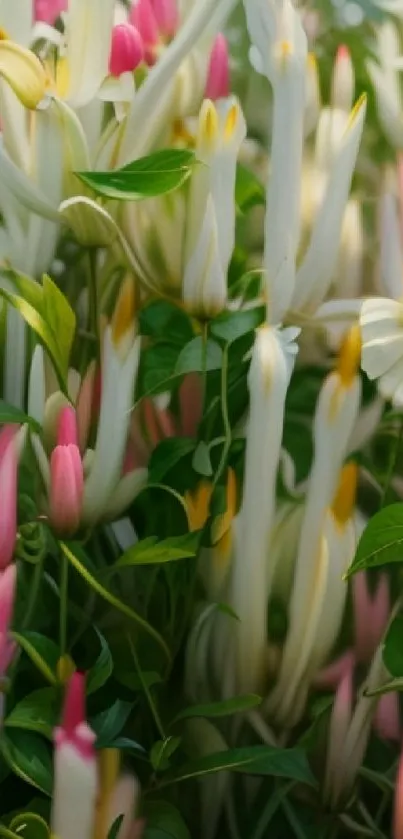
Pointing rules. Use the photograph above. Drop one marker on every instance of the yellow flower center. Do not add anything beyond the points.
(345, 497)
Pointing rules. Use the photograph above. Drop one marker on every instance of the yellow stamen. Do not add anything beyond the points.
(198, 504)
(3, 34)
(65, 669)
(355, 109)
(344, 500)
(231, 121)
(311, 59)
(108, 770)
(350, 356)
(208, 124)
(123, 316)
(23, 71)
(285, 48)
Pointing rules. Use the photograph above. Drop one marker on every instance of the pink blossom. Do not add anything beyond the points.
(8, 484)
(142, 16)
(166, 16)
(66, 476)
(49, 10)
(218, 85)
(127, 50)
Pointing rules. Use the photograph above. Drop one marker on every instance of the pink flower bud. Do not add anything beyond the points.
(8, 580)
(370, 614)
(8, 484)
(49, 10)
(387, 717)
(166, 16)
(127, 50)
(217, 85)
(66, 476)
(75, 771)
(142, 16)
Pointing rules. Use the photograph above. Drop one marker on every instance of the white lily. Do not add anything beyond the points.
(121, 352)
(385, 79)
(381, 318)
(280, 53)
(320, 547)
(272, 363)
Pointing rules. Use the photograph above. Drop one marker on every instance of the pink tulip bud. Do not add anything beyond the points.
(8, 484)
(339, 724)
(8, 580)
(75, 785)
(66, 476)
(84, 407)
(387, 717)
(49, 10)
(127, 50)
(158, 424)
(217, 85)
(398, 802)
(166, 16)
(142, 16)
(330, 677)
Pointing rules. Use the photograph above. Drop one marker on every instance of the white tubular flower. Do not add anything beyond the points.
(88, 36)
(385, 79)
(280, 52)
(324, 610)
(317, 268)
(272, 362)
(121, 351)
(210, 222)
(17, 22)
(312, 104)
(381, 318)
(335, 417)
(350, 264)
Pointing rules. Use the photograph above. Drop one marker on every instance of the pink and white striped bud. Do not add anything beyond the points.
(217, 85)
(166, 16)
(49, 10)
(127, 50)
(75, 768)
(66, 476)
(8, 484)
(142, 16)
(8, 580)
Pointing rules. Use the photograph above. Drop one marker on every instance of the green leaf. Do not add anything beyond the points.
(30, 826)
(43, 653)
(10, 414)
(114, 831)
(161, 751)
(252, 760)
(167, 455)
(249, 192)
(47, 311)
(229, 326)
(388, 687)
(102, 669)
(109, 723)
(226, 708)
(393, 649)
(199, 355)
(163, 821)
(157, 367)
(28, 757)
(157, 174)
(161, 317)
(150, 552)
(77, 558)
(38, 711)
(202, 461)
(381, 541)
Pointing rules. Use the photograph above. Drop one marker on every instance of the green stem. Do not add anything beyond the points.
(33, 595)
(225, 416)
(150, 700)
(64, 585)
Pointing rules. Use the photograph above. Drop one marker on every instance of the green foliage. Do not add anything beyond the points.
(382, 540)
(147, 177)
